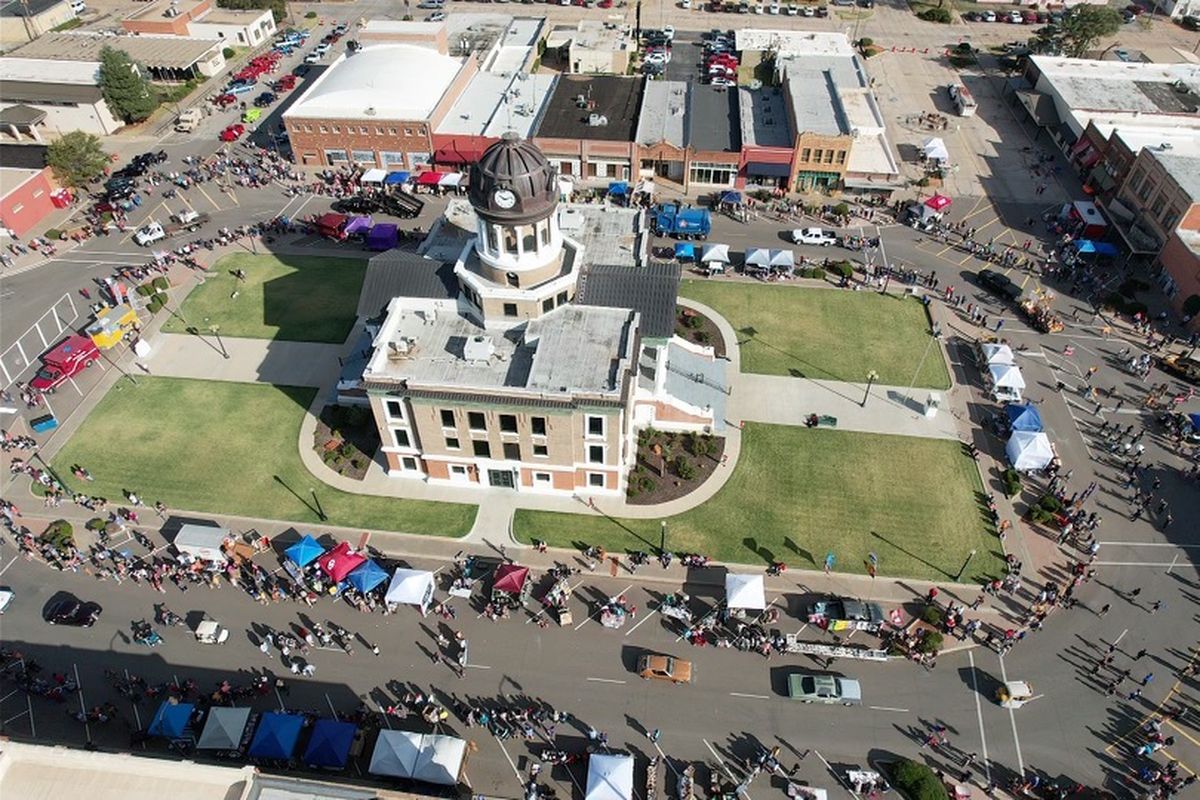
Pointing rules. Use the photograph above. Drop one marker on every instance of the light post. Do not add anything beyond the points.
(662, 538)
(963, 568)
(872, 376)
(216, 331)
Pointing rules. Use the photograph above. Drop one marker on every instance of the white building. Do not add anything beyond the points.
(238, 28)
(68, 92)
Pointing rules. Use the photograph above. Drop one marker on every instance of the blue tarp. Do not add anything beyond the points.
(395, 177)
(329, 745)
(276, 736)
(304, 551)
(685, 251)
(367, 576)
(1024, 418)
(618, 187)
(732, 198)
(1087, 247)
(383, 236)
(171, 720)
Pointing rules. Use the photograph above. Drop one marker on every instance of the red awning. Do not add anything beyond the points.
(429, 178)
(339, 562)
(510, 578)
(939, 202)
(457, 155)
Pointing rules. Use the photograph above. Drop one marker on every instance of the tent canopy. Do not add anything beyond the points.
(1024, 418)
(367, 576)
(935, 150)
(685, 251)
(745, 591)
(202, 541)
(429, 178)
(997, 354)
(610, 777)
(785, 259)
(1027, 450)
(715, 252)
(423, 757)
(395, 177)
(1089, 247)
(359, 224)
(395, 753)
(329, 744)
(758, 256)
(510, 578)
(276, 735)
(730, 197)
(412, 586)
(450, 179)
(171, 719)
(383, 236)
(305, 551)
(373, 176)
(340, 562)
(939, 202)
(224, 728)
(618, 188)
(1007, 375)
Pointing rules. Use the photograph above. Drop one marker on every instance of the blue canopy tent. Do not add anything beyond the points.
(618, 188)
(1024, 418)
(730, 198)
(329, 745)
(171, 720)
(367, 576)
(1195, 420)
(394, 178)
(305, 551)
(276, 736)
(1088, 247)
(685, 251)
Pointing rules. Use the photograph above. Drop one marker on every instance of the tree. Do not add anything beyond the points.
(76, 158)
(127, 93)
(1084, 25)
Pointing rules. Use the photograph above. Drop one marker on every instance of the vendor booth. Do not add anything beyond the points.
(990, 353)
(511, 585)
(412, 587)
(373, 177)
(1029, 451)
(172, 721)
(383, 236)
(1007, 383)
(359, 225)
(924, 216)
(202, 541)
(714, 258)
(304, 552)
(329, 745)
(783, 261)
(934, 149)
(367, 576)
(421, 757)
(396, 178)
(276, 737)
(224, 729)
(610, 777)
(685, 251)
(745, 592)
(340, 562)
(1024, 418)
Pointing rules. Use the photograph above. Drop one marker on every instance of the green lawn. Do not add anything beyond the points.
(227, 448)
(826, 333)
(299, 298)
(797, 494)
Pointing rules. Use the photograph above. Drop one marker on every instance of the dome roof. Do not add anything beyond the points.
(517, 167)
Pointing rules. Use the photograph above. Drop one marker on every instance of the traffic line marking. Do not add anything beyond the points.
(987, 768)
(890, 708)
(1012, 718)
(606, 680)
(476, 666)
(751, 696)
(9, 564)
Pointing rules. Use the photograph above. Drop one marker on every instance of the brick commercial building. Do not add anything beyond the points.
(26, 188)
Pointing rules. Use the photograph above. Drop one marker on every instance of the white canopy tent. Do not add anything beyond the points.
(745, 591)
(997, 354)
(1007, 376)
(411, 586)
(1027, 450)
(202, 541)
(395, 753)
(610, 777)
(758, 257)
(935, 149)
(451, 179)
(373, 176)
(424, 757)
(785, 259)
(715, 252)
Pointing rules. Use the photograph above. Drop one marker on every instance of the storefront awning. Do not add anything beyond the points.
(1040, 107)
(768, 170)
(457, 155)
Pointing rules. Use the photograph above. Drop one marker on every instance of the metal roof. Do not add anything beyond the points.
(37, 92)
(650, 290)
(175, 52)
(21, 115)
(398, 273)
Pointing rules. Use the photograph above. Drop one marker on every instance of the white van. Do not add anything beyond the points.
(77, 7)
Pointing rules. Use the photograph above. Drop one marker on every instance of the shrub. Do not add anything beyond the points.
(922, 181)
(155, 304)
(145, 290)
(963, 48)
(843, 268)
(931, 642)
(1012, 482)
(917, 781)
(702, 337)
(941, 15)
(95, 524)
(59, 533)
(842, 209)
(311, 15)
(818, 273)
(865, 42)
(932, 614)
(693, 321)
(684, 468)
(160, 283)
(54, 234)
(228, 52)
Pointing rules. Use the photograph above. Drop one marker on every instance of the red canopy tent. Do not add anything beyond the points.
(510, 578)
(340, 562)
(429, 178)
(939, 202)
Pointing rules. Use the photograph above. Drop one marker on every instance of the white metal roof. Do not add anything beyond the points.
(384, 82)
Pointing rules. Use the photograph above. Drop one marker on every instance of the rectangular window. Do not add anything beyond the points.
(512, 451)
(408, 132)
(561, 299)
(542, 478)
(828, 156)
(595, 426)
(482, 449)
(806, 154)
(336, 128)
(448, 420)
(841, 157)
(817, 155)
(394, 409)
(38, 193)
(548, 304)
(476, 421)
(452, 443)
(363, 156)
(335, 156)
(401, 437)
(508, 423)
(389, 157)
(596, 480)
(595, 454)
(510, 309)
(410, 463)
(18, 208)
(541, 451)
(418, 160)
(538, 425)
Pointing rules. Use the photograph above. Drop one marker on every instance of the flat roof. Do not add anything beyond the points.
(1180, 142)
(82, 72)
(381, 82)
(154, 51)
(415, 27)
(523, 31)
(232, 16)
(663, 115)
(1091, 85)
(1183, 168)
(23, 156)
(763, 117)
(613, 97)
(11, 178)
(15, 8)
(494, 103)
(608, 235)
(714, 122)
(821, 43)
(813, 83)
(158, 8)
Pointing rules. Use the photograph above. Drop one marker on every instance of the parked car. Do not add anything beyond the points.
(840, 613)
(233, 132)
(312, 58)
(1190, 22)
(997, 283)
(74, 613)
(265, 99)
(717, 80)
(437, 16)
(665, 668)
(817, 236)
(987, 16)
(809, 688)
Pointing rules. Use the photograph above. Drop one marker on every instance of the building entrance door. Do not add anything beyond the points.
(503, 478)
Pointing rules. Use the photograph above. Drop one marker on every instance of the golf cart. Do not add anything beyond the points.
(1014, 694)
(209, 631)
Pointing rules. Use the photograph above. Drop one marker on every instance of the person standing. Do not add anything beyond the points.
(1104, 609)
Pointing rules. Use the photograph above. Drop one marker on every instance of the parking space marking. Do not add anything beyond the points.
(9, 564)
(507, 757)
(645, 617)
(206, 197)
(725, 767)
(987, 768)
(1012, 719)
(606, 680)
(897, 710)
(750, 696)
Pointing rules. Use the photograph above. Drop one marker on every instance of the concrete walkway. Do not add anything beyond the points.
(281, 363)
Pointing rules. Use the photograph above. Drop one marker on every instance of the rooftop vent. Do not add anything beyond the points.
(401, 348)
(597, 120)
(479, 348)
(369, 111)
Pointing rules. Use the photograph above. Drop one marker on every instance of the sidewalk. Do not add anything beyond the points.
(203, 356)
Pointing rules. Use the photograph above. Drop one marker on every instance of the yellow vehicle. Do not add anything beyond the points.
(111, 325)
(1014, 694)
(251, 115)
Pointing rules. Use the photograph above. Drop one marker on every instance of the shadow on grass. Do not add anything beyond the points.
(910, 554)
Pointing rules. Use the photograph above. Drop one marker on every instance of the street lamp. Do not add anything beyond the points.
(963, 568)
(872, 376)
(662, 539)
(216, 331)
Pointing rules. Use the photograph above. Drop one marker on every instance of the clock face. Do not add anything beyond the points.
(504, 198)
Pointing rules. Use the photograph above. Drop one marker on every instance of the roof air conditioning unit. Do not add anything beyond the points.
(580, 101)
(369, 111)
(479, 348)
(597, 120)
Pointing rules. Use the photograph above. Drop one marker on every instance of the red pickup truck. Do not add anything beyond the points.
(67, 359)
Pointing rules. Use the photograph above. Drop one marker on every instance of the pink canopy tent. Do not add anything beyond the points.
(939, 202)
(340, 562)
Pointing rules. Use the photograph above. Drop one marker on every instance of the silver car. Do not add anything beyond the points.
(826, 689)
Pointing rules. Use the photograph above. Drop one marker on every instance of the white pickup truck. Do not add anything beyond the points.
(154, 231)
(189, 120)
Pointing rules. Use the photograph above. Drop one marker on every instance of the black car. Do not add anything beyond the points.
(1190, 23)
(999, 284)
(75, 613)
(149, 159)
(355, 205)
(301, 70)
(263, 100)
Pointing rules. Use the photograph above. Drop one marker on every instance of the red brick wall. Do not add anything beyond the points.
(171, 26)
(26, 205)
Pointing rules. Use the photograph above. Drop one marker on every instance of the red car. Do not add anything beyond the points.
(233, 132)
(605, 4)
(224, 100)
(286, 83)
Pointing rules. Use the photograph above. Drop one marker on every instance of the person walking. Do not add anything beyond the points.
(1146, 681)
(1155, 606)
(1104, 609)
(265, 648)
(1140, 654)
(375, 649)
(654, 735)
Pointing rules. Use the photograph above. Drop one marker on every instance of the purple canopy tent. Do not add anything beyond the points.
(359, 224)
(383, 236)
